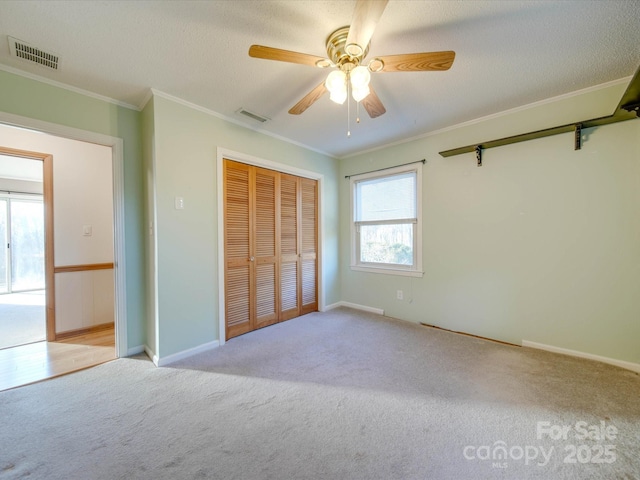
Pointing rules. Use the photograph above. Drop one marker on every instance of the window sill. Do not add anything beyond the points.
(388, 271)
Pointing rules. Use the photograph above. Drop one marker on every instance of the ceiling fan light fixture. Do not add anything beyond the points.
(336, 83)
(338, 96)
(347, 47)
(359, 94)
(360, 78)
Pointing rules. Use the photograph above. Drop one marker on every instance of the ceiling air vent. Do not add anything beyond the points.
(23, 50)
(255, 116)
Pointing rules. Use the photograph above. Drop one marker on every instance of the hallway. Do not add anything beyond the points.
(22, 318)
(42, 360)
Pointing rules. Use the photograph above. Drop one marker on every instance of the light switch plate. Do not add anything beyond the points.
(179, 203)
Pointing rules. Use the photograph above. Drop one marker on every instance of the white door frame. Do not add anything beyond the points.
(117, 151)
(223, 153)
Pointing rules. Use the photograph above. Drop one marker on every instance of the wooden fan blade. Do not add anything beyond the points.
(418, 62)
(308, 100)
(269, 53)
(372, 104)
(364, 21)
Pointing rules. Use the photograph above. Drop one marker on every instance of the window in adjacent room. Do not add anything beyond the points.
(386, 224)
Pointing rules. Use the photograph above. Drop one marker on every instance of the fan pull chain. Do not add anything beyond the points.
(357, 112)
(348, 106)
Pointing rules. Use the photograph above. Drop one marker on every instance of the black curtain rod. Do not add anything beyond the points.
(423, 161)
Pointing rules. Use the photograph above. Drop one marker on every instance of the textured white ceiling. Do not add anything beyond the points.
(508, 54)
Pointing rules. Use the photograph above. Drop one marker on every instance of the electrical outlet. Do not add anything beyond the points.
(399, 295)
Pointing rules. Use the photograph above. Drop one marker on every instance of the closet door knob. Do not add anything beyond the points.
(251, 259)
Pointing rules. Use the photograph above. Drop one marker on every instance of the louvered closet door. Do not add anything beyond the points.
(239, 284)
(270, 244)
(266, 254)
(289, 260)
(309, 245)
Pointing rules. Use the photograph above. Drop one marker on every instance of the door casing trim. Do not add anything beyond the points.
(117, 152)
(47, 200)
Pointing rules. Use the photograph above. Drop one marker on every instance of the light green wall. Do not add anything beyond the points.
(40, 101)
(541, 243)
(186, 142)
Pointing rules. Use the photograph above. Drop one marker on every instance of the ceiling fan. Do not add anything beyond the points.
(347, 48)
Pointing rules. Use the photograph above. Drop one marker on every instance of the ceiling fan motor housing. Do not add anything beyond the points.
(336, 50)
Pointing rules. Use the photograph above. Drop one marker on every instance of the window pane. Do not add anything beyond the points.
(27, 245)
(387, 198)
(387, 244)
(3, 246)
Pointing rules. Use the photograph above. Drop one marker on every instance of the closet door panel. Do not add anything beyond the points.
(266, 235)
(270, 242)
(237, 244)
(309, 244)
(289, 255)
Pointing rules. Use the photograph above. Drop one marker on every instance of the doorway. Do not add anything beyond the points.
(22, 279)
(22, 252)
(30, 134)
(73, 291)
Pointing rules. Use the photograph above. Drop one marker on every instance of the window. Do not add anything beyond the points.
(386, 227)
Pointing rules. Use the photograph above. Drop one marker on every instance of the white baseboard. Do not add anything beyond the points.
(355, 306)
(634, 367)
(326, 308)
(135, 350)
(163, 361)
(151, 355)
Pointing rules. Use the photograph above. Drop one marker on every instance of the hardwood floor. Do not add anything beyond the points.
(42, 360)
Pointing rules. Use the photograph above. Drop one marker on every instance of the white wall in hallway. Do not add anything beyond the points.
(83, 196)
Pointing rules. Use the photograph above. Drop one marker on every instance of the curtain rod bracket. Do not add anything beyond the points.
(632, 108)
(479, 155)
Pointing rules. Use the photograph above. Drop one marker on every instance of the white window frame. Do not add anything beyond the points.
(414, 270)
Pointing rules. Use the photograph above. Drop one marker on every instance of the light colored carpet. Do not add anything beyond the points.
(338, 395)
(22, 318)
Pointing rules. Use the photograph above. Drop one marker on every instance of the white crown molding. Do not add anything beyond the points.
(148, 96)
(150, 93)
(235, 121)
(54, 83)
(159, 93)
(493, 116)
